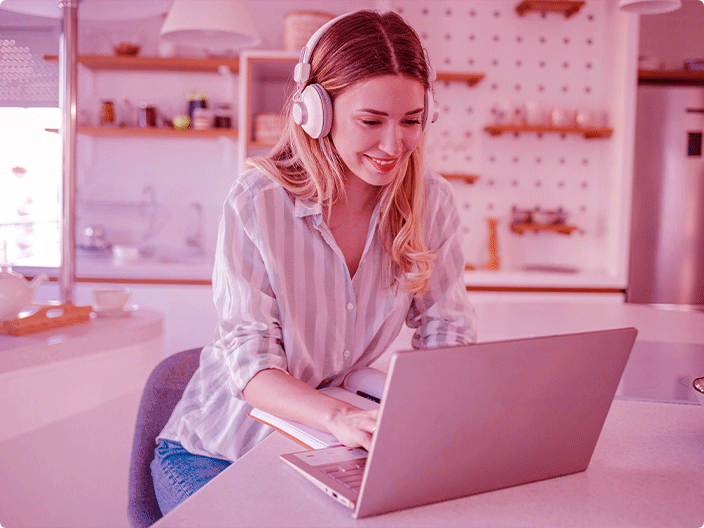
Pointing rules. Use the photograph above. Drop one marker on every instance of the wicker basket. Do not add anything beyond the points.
(300, 26)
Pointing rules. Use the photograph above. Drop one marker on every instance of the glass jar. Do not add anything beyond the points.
(147, 115)
(223, 116)
(107, 113)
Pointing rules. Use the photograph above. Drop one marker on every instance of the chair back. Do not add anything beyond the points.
(162, 392)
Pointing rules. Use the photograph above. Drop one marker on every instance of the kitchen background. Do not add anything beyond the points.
(546, 211)
(161, 192)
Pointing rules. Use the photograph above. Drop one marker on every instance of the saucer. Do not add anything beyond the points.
(115, 312)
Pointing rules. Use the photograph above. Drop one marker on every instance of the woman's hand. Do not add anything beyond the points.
(352, 426)
(278, 393)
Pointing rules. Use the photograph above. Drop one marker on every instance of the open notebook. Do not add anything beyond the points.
(362, 388)
(464, 420)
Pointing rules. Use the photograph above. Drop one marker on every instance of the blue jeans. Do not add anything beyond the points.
(178, 474)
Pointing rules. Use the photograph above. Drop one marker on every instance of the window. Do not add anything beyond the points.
(30, 187)
(30, 156)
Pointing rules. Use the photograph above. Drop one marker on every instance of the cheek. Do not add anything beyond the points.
(413, 140)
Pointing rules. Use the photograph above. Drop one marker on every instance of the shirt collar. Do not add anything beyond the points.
(303, 208)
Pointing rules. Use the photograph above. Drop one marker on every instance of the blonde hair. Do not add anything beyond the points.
(361, 45)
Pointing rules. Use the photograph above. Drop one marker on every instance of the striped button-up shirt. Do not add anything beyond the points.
(285, 300)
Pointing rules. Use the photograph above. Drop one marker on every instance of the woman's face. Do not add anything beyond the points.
(376, 125)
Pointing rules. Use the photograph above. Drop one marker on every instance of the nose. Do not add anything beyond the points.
(391, 141)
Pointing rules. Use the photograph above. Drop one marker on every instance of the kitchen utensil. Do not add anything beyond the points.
(16, 292)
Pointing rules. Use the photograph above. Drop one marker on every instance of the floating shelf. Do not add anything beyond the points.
(557, 228)
(210, 64)
(186, 64)
(470, 78)
(556, 6)
(153, 132)
(157, 132)
(589, 133)
(671, 77)
(467, 178)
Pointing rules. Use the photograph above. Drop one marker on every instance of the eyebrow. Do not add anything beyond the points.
(380, 113)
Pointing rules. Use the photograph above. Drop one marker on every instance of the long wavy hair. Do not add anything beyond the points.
(359, 46)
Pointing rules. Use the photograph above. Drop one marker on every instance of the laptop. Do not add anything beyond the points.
(463, 420)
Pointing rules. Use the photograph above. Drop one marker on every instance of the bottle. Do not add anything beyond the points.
(201, 118)
(147, 115)
(196, 100)
(223, 116)
(107, 113)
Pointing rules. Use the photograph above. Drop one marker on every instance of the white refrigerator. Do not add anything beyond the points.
(667, 240)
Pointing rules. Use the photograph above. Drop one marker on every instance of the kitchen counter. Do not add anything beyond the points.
(68, 405)
(196, 270)
(644, 472)
(667, 356)
(199, 270)
(49, 376)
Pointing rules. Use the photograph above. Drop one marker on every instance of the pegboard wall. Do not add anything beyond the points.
(544, 60)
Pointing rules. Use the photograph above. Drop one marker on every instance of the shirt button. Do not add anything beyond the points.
(346, 353)
(350, 306)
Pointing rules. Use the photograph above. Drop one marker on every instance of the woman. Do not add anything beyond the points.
(325, 248)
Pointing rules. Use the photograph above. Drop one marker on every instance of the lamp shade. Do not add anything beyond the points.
(649, 7)
(214, 25)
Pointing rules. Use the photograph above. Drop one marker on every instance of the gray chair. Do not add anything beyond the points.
(162, 392)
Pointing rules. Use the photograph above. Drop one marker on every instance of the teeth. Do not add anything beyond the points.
(383, 162)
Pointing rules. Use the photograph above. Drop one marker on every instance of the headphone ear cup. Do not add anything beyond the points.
(432, 110)
(314, 111)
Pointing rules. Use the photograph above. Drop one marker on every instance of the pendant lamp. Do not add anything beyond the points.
(649, 7)
(217, 26)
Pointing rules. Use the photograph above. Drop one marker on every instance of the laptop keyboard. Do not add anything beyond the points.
(347, 472)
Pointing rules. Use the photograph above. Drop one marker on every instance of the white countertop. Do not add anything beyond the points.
(514, 318)
(201, 269)
(645, 472)
(78, 340)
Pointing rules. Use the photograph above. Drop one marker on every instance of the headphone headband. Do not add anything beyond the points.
(301, 73)
(312, 109)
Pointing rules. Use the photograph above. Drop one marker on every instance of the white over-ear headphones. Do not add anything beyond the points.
(312, 107)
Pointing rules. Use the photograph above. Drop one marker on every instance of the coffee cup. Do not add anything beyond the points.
(110, 298)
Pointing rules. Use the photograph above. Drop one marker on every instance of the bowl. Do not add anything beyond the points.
(126, 45)
(110, 298)
(698, 385)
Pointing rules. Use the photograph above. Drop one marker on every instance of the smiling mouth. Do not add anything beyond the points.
(383, 165)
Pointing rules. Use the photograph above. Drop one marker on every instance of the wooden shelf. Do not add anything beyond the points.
(555, 6)
(536, 228)
(186, 64)
(467, 178)
(469, 78)
(589, 133)
(155, 132)
(671, 77)
(210, 64)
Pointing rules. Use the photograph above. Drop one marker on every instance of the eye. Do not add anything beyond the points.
(412, 122)
(371, 122)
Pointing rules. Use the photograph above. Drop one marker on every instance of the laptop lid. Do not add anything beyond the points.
(464, 420)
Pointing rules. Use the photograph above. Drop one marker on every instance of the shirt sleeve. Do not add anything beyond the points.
(249, 336)
(444, 315)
